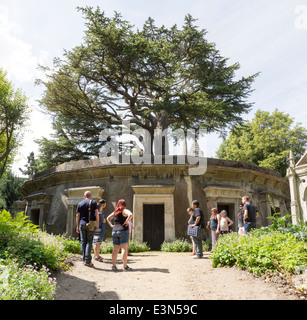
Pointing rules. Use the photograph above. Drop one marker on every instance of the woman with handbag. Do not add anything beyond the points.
(190, 212)
(120, 232)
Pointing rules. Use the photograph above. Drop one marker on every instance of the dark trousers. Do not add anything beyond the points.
(198, 240)
(86, 238)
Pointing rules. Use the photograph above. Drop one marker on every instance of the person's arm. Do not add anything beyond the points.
(127, 213)
(218, 224)
(196, 222)
(109, 218)
(230, 222)
(78, 221)
(245, 215)
(97, 218)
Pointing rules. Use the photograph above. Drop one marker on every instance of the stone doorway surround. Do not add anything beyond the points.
(224, 195)
(40, 204)
(74, 196)
(154, 194)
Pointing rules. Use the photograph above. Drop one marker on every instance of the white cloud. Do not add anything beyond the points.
(40, 126)
(16, 56)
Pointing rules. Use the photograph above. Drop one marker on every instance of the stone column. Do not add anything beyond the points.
(291, 174)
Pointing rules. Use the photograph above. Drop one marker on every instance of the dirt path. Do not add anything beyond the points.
(163, 276)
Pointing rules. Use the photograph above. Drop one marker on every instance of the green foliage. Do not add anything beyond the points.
(261, 252)
(134, 246)
(13, 117)
(266, 141)
(75, 138)
(9, 190)
(154, 77)
(179, 245)
(26, 256)
(25, 283)
(23, 241)
(182, 245)
(31, 166)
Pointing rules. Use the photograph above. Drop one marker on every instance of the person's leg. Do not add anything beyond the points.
(114, 254)
(96, 251)
(89, 244)
(194, 249)
(124, 244)
(247, 228)
(253, 225)
(213, 238)
(198, 243)
(83, 241)
(124, 248)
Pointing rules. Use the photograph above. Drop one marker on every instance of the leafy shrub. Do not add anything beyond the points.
(183, 245)
(26, 256)
(70, 245)
(261, 252)
(25, 283)
(134, 246)
(179, 245)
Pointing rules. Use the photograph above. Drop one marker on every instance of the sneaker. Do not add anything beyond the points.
(99, 258)
(127, 268)
(114, 268)
(88, 264)
(197, 257)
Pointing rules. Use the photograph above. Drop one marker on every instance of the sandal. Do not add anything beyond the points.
(114, 268)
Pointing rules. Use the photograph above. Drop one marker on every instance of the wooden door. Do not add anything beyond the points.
(153, 225)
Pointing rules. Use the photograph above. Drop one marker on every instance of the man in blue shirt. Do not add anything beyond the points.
(82, 218)
(250, 215)
(197, 219)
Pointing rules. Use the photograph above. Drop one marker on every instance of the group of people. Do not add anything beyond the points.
(90, 212)
(219, 223)
(91, 225)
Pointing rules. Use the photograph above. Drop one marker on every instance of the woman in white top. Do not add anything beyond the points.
(225, 222)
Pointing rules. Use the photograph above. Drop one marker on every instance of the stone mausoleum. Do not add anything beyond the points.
(157, 194)
(297, 175)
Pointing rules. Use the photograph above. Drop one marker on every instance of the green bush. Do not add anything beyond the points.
(183, 245)
(261, 252)
(25, 283)
(179, 245)
(134, 246)
(26, 256)
(70, 245)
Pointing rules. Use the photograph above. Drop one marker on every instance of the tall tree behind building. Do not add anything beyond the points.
(155, 77)
(266, 141)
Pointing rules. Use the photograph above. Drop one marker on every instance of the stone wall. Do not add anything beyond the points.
(54, 194)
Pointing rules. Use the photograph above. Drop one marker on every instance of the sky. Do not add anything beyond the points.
(266, 36)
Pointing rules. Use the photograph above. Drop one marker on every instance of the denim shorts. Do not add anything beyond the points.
(98, 234)
(120, 237)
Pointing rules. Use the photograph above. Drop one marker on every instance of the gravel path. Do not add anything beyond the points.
(163, 276)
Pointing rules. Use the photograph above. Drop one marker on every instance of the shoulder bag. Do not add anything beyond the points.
(91, 225)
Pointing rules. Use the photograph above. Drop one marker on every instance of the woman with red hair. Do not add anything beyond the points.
(120, 232)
